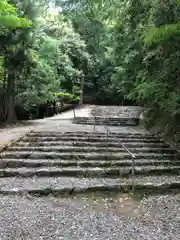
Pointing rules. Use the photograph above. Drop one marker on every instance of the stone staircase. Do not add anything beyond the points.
(56, 162)
(111, 116)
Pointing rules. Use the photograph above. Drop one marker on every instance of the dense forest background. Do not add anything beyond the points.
(126, 52)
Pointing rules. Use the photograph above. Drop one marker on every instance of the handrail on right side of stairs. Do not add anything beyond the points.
(109, 131)
(131, 154)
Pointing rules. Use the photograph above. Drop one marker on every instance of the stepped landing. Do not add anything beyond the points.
(109, 115)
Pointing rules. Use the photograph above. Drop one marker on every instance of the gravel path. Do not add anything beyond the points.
(95, 218)
(156, 218)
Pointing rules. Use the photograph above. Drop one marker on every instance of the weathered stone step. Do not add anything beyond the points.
(90, 149)
(94, 134)
(90, 156)
(17, 163)
(91, 139)
(123, 123)
(105, 118)
(92, 144)
(70, 185)
(107, 121)
(88, 172)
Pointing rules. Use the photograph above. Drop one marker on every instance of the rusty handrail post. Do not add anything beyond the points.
(94, 127)
(133, 175)
(74, 112)
(107, 138)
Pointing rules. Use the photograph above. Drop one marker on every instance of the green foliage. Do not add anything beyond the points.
(163, 33)
(1, 69)
(9, 18)
(147, 55)
(124, 50)
(66, 97)
(41, 54)
(136, 49)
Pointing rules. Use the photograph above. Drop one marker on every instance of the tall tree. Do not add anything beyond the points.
(11, 24)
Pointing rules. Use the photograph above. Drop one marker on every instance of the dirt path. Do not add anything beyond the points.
(86, 218)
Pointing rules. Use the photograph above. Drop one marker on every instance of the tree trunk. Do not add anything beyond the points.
(5, 90)
(54, 107)
(11, 116)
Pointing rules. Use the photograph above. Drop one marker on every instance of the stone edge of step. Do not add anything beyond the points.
(125, 172)
(88, 149)
(110, 124)
(31, 163)
(81, 155)
(125, 187)
(88, 132)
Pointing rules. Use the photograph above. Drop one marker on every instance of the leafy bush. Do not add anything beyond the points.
(65, 97)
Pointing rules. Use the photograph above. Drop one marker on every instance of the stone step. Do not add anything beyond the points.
(110, 122)
(91, 139)
(112, 118)
(70, 185)
(104, 119)
(88, 172)
(32, 163)
(61, 149)
(86, 156)
(95, 134)
(131, 124)
(92, 144)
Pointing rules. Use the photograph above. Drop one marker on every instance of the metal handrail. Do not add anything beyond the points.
(132, 155)
(109, 131)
